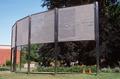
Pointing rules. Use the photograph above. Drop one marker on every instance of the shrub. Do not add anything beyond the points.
(8, 63)
(106, 70)
(4, 69)
(78, 69)
(93, 68)
(116, 69)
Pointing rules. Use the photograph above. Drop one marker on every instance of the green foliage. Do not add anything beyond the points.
(116, 70)
(78, 69)
(34, 56)
(84, 51)
(4, 69)
(8, 63)
(51, 4)
(110, 33)
(109, 70)
(106, 70)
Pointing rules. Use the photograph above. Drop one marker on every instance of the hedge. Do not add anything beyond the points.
(78, 69)
(4, 69)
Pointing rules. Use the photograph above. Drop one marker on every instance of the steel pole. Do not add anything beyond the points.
(97, 34)
(29, 44)
(56, 37)
(15, 50)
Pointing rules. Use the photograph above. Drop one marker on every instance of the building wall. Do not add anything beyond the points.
(5, 53)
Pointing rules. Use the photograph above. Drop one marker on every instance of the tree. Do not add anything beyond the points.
(51, 4)
(109, 34)
(68, 51)
(34, 56)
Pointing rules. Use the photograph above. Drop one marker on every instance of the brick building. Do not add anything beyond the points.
(5, 53)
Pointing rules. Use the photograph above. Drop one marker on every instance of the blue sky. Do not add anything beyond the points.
(12, 10)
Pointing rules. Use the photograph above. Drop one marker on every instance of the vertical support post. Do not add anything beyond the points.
(56, 37)
(97, 34)
(15, 50)
(11, 55)
(20, 57)
(29, 44)
(11, 59)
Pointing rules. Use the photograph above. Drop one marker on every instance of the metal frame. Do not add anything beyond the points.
(56, 37)
(97, 34)
(11, 56)
(11, 59)
(29, 44)
(13, 67)
(15, 50)
(20, 57)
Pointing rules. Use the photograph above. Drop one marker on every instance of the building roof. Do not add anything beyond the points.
(5, 47)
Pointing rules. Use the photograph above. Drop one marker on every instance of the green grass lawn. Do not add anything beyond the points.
(59, 76)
